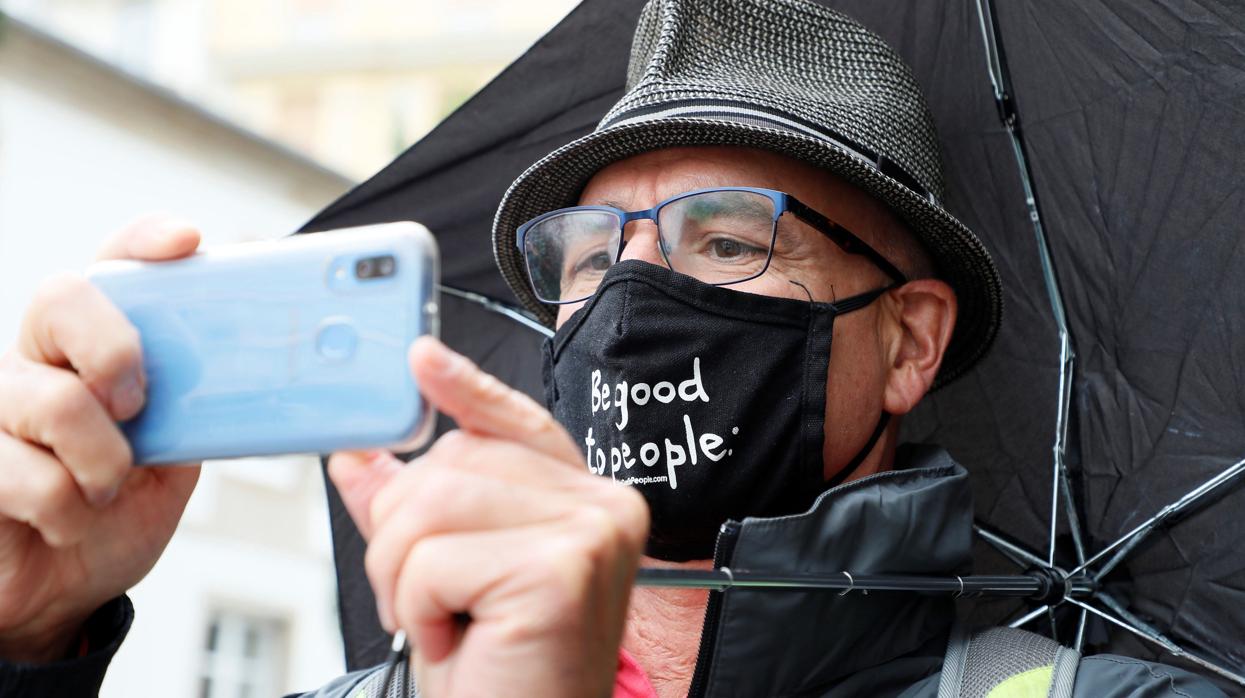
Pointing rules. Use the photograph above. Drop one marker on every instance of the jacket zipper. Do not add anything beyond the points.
(723, 549)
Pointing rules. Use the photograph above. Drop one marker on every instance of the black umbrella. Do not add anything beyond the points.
(1093, 147)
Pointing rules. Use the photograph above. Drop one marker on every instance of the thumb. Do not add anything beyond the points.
(358, 476)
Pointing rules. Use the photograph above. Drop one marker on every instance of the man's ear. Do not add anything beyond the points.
(921, 316)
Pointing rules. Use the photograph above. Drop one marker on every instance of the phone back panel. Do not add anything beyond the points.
(279, 347)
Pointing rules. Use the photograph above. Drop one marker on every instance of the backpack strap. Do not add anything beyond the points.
(1006, 663)
(372, 685)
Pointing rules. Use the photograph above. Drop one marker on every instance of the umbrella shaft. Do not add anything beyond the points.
(1025, 585)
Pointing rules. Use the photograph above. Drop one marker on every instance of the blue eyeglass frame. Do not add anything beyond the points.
(783, 202)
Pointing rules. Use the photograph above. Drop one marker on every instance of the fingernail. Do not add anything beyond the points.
(376, 457)
(102, 498)
(127, 397)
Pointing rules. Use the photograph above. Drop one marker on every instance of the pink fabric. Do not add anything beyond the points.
(631, 681)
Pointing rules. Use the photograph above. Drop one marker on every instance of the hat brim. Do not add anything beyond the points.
(557, 180)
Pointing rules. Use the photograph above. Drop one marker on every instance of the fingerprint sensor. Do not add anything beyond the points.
(336, 339)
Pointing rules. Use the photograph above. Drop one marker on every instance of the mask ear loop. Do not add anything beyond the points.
(850, 304)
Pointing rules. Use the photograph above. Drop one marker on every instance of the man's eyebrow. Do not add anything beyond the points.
(607, 202)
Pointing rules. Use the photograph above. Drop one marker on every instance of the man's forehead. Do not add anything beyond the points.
(644, 179)
(641, 181)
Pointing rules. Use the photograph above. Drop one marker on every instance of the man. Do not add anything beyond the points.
(767, 190)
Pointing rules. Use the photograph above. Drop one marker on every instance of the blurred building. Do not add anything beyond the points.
(349, 82)
(243, 601)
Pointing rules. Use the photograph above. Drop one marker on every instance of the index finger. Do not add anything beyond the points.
(481, 403)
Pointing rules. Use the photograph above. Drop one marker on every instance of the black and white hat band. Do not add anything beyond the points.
(756, 115)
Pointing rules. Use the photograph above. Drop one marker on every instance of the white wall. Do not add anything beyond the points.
(81, 153)
(80, 157)
(203, 569)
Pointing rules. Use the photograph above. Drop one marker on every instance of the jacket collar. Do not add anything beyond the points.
(916, 520)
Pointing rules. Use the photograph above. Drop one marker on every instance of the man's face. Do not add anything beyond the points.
(804, 261)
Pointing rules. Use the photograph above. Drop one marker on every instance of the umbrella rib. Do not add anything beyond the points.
(1165, 643)
(1010, 550)
(996, 66)
(1129, 541)
(1079, 643)
(496, 306)
(1119, 610)
(1067, 369)
(1023, 620)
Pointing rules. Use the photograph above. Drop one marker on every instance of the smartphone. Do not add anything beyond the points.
(296, 345)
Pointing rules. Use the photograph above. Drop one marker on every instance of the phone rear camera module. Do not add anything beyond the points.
(375, 267)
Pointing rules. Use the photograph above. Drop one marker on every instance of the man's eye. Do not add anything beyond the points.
(728, 248)
(599, 261)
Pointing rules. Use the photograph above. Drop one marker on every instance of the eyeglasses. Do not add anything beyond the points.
(720, 236)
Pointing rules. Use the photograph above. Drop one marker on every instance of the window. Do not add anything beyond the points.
(243, 656)
(134, 35)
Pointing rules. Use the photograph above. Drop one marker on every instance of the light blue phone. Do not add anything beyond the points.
(296, 345)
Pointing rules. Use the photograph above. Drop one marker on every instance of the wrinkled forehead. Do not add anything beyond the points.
(707, 203)
(641, 181)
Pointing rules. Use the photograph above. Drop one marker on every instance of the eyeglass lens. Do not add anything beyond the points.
(718, 237)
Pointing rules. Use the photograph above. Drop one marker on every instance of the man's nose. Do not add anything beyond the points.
(642, 243)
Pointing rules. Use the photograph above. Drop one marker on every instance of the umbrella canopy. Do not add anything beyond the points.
(1093, 148)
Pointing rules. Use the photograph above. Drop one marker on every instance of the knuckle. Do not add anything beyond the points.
(411, 587)
(53, 297)
(122, 352)
(570, 566)
(112, 466)
(63, 533)
(597, 527)
(63, 403)
(633, 511)
(490, 389)
(59, 289)
(542, 423)
(395, 495)
(53, 495)
(456, 448)
(522, 629)
(450, 445)
(385, 501)
(611, 532)
(436, 491)
(422, 556)
(378, 563)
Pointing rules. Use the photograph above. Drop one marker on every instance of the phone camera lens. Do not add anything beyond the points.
(365, 268)
(384, 267)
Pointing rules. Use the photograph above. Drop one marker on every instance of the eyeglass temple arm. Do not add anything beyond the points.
(844, 238)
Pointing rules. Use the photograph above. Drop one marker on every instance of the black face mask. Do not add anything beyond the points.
(710, 401)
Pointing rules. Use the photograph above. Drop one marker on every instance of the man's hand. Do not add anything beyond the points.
(78, 523)
(508, 564)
